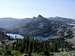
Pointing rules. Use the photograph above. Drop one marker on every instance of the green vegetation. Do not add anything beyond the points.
(9, 52)
(29, 46)
(33, 47)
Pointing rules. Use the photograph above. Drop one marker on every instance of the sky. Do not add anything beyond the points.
(31, 8)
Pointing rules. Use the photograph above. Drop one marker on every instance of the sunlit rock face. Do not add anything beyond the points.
(39, 26)
(15, 36)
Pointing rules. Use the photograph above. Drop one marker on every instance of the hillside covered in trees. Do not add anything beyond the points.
(40, 35)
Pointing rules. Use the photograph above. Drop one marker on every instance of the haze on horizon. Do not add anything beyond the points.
(31, 8)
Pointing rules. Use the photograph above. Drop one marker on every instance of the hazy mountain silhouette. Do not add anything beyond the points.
(40, 25)
(37, 25)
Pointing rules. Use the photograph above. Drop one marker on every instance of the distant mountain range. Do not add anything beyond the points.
(11, 23)
(35, 26)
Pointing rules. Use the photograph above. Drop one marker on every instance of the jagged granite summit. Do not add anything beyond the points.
(37, 26)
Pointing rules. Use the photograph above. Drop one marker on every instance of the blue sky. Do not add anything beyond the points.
(30, 8)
